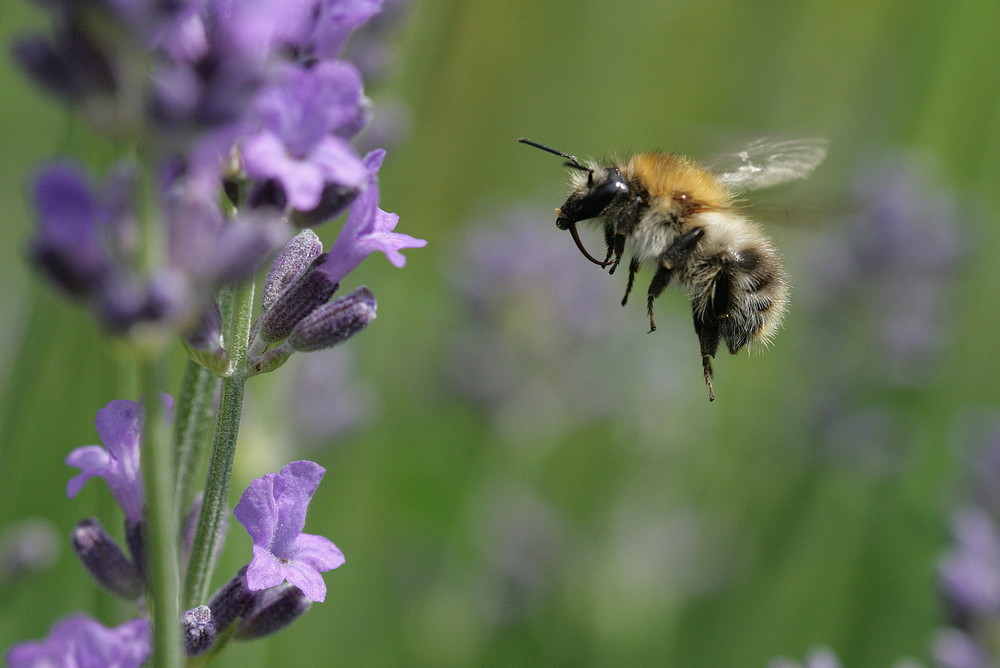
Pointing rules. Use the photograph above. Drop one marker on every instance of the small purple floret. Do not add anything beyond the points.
(273, 511)
(368, 229)
(119, 424)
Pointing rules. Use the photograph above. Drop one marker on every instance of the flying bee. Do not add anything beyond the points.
(667, 212)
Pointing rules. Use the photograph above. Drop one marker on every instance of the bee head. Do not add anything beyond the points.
(590, 198)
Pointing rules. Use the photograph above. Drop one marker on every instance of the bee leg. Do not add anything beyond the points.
(609, 240)
(660, 280)
(670, 259)
(616, 247)
(706, 326)
(706, 366)
(708, 321)
(633, 266)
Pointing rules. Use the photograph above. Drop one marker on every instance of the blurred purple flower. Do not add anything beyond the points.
(367, 229)
(261, 76)
(970, 572)
(73, 222)
(541, 343)
(88, 243)
(893, 265)
(325, 399)
(27, 546)
(78, 640)
(273, 511)
(302, 114)
(956, 649)
(119, 424)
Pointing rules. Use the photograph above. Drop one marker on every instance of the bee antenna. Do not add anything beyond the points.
(573, 162)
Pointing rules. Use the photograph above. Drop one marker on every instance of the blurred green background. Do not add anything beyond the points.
(519, 481)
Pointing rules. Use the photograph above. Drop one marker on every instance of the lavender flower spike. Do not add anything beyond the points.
(273, 511)
(367, 229)
(119, 424)
(78, 640)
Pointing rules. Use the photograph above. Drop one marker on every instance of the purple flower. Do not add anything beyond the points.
(119, 424)
(890, 270)
(299, 144)
(69, 245)
(367, 229)
(970, 572)
(273, 511)
(78, 640)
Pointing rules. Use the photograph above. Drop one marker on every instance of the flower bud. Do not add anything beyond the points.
(291, 262)
(199, 630)
(299, 299)
(273, 610)
(231, 601)
(335, 322)
(105, 561)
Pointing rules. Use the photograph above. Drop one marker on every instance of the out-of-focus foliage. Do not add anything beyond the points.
(518, 473)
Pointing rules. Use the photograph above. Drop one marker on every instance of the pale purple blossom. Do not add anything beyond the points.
(368, 229)
(273, 511)
(119, 424)
(80, 641)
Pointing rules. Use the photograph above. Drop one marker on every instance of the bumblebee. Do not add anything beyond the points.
(668, 213)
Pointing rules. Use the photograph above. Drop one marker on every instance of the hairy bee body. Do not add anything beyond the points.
(667, 213)
(733, 275)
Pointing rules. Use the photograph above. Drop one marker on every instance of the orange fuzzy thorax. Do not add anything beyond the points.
(669, 175)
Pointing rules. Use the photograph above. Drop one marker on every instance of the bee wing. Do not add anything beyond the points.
(769, 162)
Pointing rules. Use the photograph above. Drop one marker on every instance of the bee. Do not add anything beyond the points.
(680, 219)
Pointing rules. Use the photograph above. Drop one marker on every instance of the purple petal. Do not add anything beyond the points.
(265, 570)
(335, 157)
(319, 552)
(307, 579)
(257, 510)
(92, 460)
(300, 480)
(119, 424)
(367, 229)
(337, 20)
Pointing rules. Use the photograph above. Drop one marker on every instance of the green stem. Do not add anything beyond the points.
(215, 502)
(161, 515)
(193, 417)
